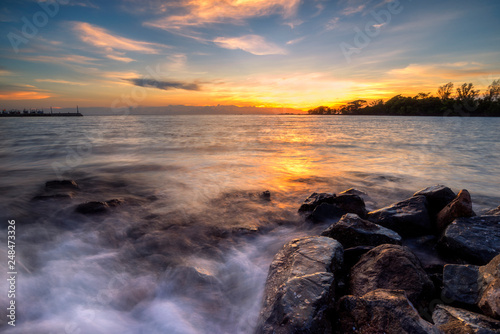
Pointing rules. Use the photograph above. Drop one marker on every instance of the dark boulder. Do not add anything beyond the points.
(300, 287)
(352, 231)
(408, 218)
(61, 185)
(316, 199)
(461, 206)
(451, 320)
(353, 255)
(391, 267)
(475, 239)
(381, 311)
(326, 212)
(462, 283)
(339, 206)
(438, 197)
(489, 302)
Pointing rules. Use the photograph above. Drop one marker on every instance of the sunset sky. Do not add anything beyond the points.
(274, 53)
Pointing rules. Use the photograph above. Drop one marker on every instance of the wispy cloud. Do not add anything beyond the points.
(113, 45)
(203, 13)
(62, 59)
(63, 82)
(254, 44)
(353, 10)
(22, 92)
(164, 85)
(295, 41)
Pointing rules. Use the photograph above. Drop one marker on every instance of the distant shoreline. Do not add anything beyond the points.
(43, 115)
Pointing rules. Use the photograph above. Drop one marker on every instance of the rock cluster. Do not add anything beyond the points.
(359, 277)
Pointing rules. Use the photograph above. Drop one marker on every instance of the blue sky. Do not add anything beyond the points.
(275, 53)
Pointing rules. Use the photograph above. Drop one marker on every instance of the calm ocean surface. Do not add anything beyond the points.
(188, 250)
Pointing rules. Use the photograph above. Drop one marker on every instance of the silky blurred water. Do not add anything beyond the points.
(188, 250)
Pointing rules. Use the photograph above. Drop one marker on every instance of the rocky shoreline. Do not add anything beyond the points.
(373, 272)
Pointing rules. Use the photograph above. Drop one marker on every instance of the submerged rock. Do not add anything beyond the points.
(352, 231)
(391, 267)
(451, 320)
(265, 195)
(475, 239)
(61, 185)
(408, 218)
(94, 207)
(438, 197)
(300, 287)
(461, 206)
(381, 311)
(493, 212)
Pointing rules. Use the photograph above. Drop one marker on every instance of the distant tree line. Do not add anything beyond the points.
(464, 101)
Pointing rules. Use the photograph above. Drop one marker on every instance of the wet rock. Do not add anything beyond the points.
(381, 311)
(353, 191)
(489, 302)
(438, 197)
(408, 218)
(316, 199)
(92, 208)
(300, 287)
(475, 239)
(339, 206)
(351, 204)
(391, 267)
(353, 255)
(265, 195)
(326, 212)
(461, 206)
(493, 212)
(352, 231)
(452, 320)
(89, 208)
(61, 185)
(462, 283)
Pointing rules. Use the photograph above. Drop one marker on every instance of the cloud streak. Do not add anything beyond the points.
(113, 46)
(202, 13)
(253, 44)
(164, 85)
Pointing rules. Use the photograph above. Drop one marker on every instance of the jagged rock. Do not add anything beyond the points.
(352, 231)
(61, 185)
(438, 197)
(353, 191)
(452, 320)
(381, 311)
(391, 267)
(408, 218)
(489, 302)
(315, 200)
(474, 285)
(461, 206)
(493, 212)
(94, 207)
(474, 239)
(300, 287)
(326, 212)
(351, 204)
(462, 283)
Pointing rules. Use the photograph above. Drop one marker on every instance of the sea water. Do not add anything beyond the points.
(188, 249)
